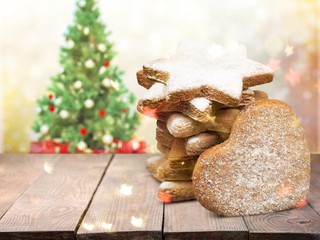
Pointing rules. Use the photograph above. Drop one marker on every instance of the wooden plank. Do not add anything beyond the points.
(299, 223)
(303, 223)
(189, 220)
(52, 206)
(314, 196)
(17, 171)
(125, 205)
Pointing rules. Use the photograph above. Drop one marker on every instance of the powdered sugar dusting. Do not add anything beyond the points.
(193, 66)
(264, 166)
(157, 91)
(167, 184)
(202, 104)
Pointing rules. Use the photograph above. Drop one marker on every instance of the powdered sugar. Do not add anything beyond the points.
(202, 104)
(157, 91)
(193, 67)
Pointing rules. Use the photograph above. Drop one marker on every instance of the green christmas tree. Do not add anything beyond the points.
(87, 103)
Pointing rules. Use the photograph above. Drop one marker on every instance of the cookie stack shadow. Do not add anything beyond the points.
(185, 129)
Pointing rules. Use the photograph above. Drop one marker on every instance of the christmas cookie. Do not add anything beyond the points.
(181, 126)
(144, 81)
(163, 136)
(197, 144)
(178, 166)
(264, 165)
(163, 149)
(193, 72)
(175, 191)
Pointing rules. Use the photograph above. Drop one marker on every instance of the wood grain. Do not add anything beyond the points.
(314, 196)
(52, 206)
(17, 172)
(303, 223)
(189, 220)
(125, 205)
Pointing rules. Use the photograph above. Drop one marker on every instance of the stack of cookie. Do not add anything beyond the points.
(195, 96)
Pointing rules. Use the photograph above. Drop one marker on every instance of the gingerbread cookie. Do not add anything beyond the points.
(175, 191)
(193, 73)
(264, 166)
(197, 144)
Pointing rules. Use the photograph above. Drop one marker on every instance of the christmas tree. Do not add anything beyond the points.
(87, 104)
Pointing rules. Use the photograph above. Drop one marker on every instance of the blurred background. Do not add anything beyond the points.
(282, 34)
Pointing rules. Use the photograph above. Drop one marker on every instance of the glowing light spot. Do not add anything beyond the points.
(136, 222)
(88, 226)
(165, 197)
(182, 163)
(135, 144)
(126, 190)
(48, 167)
(288, 50)
(284, 190)
(301, 203)
(107, 226)
(293, 77)
(274, 64)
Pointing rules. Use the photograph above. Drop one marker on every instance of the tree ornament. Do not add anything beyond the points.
(106, 82)
(64, 114)
(57, 101)
(115, 85)
(77, 84)
(44, 129)
(82, 146)
(82, 3)
(102, 70)
(50, 96)
(123, 110)
(86, 31)
(102, 112)
(107, 139)
(70, 44)
(101, 47)
(51, 108)
(106, 64)
(89, 103)
(83, 131)
(89, 63)
(125, 99)
(38, 109)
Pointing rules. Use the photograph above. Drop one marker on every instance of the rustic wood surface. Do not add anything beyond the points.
(92, 197)
(125, 205)
(52, 206)
(189, 220)
(14, 181)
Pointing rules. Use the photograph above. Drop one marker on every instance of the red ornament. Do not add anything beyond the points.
(50, 96)
(102, 112)
(123, 110)
(83, 131)
(106, 63)
(51, 108)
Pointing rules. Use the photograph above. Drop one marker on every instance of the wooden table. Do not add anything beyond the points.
(114, 197)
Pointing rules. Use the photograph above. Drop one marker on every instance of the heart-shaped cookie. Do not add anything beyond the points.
(263, 167)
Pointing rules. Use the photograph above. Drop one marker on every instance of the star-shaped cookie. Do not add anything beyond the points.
(194, 72)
